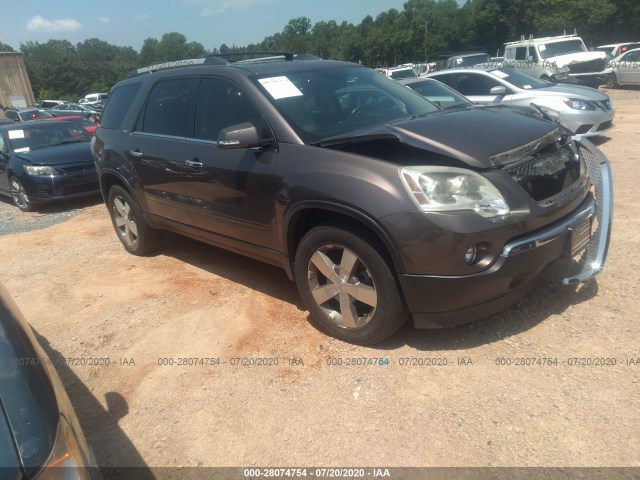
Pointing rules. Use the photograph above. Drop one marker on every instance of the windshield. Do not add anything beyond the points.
(519, 78)
(42, 136)
(469, 60)
(554, 49)
(406, 73)
(34, 115)
(439, 94)
(330, 102)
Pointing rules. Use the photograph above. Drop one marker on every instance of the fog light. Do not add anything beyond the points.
(470, 256)
(479, 255)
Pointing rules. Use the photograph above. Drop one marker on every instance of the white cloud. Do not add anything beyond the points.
(207, 12)
(39, 24)
(141, 18)
(104, 19)
(212, 7)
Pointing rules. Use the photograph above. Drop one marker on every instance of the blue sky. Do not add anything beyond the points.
(210, 22)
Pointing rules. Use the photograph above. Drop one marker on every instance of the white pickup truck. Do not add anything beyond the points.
(559, 59)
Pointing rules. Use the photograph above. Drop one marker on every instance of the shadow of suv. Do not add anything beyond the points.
(379, 205)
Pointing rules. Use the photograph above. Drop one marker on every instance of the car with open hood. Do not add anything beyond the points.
(40, 435)
(377, 203)
(45, 161)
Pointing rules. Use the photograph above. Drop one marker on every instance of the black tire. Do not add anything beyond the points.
(127, 219)
(612, 80)
(377, 314)
(19, 195)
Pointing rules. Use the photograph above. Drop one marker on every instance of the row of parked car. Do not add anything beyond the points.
(563, 59)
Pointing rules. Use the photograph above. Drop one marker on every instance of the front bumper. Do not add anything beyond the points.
(52, 188)
(443, 301)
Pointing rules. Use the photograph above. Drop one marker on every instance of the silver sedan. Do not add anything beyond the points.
(583, 110)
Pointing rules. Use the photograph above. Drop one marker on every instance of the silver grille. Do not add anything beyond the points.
(599, 172)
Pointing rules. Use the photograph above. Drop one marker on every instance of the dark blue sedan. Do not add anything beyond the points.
(44, 162)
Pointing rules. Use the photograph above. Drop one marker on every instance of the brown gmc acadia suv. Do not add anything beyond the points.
(379, 205)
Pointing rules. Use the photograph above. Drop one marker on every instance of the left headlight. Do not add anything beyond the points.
(578, 104)
(40, 170)
(446, 189)
(66, 461)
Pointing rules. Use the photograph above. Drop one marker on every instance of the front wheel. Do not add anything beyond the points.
(612, 80)
(126, 215)
(348, 287)
(20, 196)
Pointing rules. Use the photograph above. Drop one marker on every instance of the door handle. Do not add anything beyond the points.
(195, 163)
(135, 153)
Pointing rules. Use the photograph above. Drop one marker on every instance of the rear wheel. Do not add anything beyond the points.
(20, 196)
(349, 289)
(126, 215)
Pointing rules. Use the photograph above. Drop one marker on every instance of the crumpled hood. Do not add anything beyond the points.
(79, 152)
(580, 57)
(470, 135)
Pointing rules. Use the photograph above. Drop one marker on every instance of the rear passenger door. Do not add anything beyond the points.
(232, 191)
(629, 68)
(156, 149)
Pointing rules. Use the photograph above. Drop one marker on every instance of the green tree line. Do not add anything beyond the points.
(59, 69)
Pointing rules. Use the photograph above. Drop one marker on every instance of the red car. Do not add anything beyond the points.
(87, 124)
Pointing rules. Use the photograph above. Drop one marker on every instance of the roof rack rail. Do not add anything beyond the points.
(286, 56)
(222, 59)
(208, 60)
(540, 39)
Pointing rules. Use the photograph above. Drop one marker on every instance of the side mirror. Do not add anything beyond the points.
(242, 135)
(530, 58)
(499, 90)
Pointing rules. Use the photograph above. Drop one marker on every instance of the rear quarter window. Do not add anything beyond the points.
(118, 105)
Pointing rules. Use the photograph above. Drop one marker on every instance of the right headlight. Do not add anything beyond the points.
(447, 189)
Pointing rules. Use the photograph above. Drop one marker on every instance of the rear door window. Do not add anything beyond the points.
(167, 108)
(118, 106)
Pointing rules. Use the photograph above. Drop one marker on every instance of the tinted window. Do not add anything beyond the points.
(220, 105)
(521, 53)
(166, 110)
(470, 84)
(117, 106)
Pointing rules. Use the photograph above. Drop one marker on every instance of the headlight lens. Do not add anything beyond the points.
(444, 189)
(66, 461)
(577, 104)
(40, 170)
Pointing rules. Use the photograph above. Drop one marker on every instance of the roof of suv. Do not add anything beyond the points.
(275, 62)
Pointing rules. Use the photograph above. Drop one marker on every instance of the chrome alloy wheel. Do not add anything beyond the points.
(342, 286)
(19, 195)
(125, 221)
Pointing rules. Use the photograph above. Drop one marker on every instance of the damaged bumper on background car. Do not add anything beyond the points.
(584, 234)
